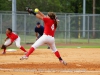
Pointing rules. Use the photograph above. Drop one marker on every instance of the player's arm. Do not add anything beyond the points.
(39, 15)
(36, 35)
(6, 38)
(12, 40)
(5, 46)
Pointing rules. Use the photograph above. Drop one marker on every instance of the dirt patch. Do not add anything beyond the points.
(43, 61)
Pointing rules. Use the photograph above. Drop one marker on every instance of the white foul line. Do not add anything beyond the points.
(53, 70)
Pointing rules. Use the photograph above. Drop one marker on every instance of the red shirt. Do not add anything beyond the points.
(12, 36)
(49, 28)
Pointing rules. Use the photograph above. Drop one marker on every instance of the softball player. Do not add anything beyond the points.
(12, 37)
(50, 25)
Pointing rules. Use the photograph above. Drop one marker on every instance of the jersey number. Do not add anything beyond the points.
(52, 27)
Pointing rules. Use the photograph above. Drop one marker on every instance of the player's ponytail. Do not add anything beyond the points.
(53, 17)
(55, 23)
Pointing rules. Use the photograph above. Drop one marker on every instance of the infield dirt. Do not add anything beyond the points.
(80, 61)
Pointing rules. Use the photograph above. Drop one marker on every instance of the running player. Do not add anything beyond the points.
(50, 25)
(12, 37)
(39, 29)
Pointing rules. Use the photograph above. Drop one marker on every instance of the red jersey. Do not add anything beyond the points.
(12, 36)
(49, 28)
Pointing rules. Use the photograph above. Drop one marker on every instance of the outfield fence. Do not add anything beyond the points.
(71, 29)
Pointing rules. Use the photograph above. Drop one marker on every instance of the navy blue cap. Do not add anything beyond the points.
(38, 23)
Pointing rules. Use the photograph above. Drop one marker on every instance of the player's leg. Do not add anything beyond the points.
(47, 44)
(17, 41)
(38, 43)
(4, 46)
(53, 47)
(56, 52)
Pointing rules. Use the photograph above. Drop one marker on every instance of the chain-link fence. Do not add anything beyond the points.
(71, 28)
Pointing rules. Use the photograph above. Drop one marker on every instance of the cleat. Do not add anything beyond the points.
(63, 62)
(23, 58)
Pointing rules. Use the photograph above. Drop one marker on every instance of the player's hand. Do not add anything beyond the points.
(5, 39)
(29, 10)
(36, 38)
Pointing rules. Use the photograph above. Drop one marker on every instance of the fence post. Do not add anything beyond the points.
(14, 15)
(69, 28)
(84, 12)
(25, 29)
(65, 30)
(1, 28)
(88, 31)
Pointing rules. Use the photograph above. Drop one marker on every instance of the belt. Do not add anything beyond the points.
(48, 35)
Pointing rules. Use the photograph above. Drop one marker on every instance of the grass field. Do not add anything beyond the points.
(32, 38)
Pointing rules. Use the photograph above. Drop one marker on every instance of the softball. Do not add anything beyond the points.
(36, 10)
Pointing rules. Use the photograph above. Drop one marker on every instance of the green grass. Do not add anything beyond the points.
(32, 38)
(85, 40)
(83, 43)
(78, 46)
(45, 47)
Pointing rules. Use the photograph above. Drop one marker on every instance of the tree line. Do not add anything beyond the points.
(65, 6)
(62, 6)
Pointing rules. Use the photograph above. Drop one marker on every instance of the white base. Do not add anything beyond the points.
(11, 50)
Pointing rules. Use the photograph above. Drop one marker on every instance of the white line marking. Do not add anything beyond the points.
(11, 63)
(53, 70)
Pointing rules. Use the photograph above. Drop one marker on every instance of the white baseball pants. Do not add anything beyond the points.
(17, 41)
(45, 39)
